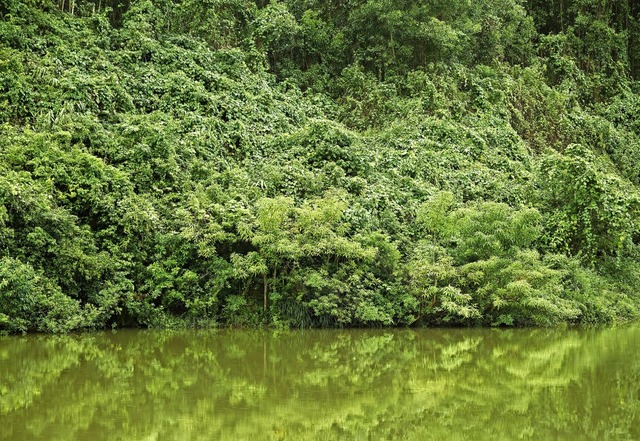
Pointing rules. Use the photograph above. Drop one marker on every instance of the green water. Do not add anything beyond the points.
(463, 384)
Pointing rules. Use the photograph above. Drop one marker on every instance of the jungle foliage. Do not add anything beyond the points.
(308, 163)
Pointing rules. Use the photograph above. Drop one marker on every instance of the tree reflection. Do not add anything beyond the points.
(454, 384)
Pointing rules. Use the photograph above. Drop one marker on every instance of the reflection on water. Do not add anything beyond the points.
(460, 384)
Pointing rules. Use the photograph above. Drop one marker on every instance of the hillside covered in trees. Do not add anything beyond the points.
(318, 163)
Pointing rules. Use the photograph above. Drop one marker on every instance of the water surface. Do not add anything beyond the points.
(451, 384)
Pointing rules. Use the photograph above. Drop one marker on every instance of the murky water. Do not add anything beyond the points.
(460, 384)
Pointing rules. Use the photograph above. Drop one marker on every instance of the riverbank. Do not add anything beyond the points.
(273, 164)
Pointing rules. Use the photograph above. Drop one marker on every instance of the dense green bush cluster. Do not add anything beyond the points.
(310, 163)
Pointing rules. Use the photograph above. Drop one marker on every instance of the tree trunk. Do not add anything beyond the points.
(265, 291)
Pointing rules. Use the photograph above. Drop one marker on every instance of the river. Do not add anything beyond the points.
(404, 384)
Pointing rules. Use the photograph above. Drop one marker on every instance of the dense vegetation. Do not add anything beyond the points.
(312, 163)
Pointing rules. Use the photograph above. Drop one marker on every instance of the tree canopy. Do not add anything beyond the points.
(308, 163)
